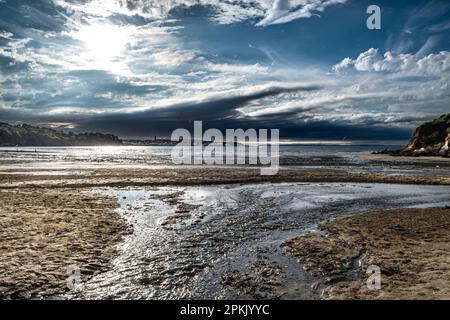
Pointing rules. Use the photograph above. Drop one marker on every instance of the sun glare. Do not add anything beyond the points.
(104, 45)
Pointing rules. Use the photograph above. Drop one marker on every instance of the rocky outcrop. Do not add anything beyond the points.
(430, 139)
(26, 135)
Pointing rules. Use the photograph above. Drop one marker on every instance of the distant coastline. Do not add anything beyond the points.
(432, 139)
(24, 135)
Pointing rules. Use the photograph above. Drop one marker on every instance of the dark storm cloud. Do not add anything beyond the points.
(219, 108)
(220, 112)
(147, 127)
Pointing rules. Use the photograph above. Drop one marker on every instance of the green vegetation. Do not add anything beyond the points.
(444, 119)
(26, 135)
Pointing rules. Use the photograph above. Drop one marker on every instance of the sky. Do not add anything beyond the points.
(310, 68)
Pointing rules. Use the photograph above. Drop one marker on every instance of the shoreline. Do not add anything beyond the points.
(211, 176)
(67, 226)
(388, 157)
(67, 223)
(410, 246)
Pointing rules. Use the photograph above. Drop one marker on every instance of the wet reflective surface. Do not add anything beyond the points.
(224, 241)
(75, 160)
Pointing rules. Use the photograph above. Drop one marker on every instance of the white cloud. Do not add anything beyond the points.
(264, 12)
(345, 63)
(171, 59)
(405, 64)
(283, 11)
(6, 35)
(434, 64)
(395, 89)
(366, 60)
(382, 87)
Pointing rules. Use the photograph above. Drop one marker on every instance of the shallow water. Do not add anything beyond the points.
(69, 160)
(229, 246)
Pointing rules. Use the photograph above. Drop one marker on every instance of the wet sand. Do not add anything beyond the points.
(226, 242)
(50, 219)
(44, 232)
(120, 177)
(411, 247)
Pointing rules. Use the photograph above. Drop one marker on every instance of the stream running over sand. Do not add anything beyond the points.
(224, 241)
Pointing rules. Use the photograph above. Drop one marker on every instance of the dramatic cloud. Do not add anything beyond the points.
(146, 67)
(224, 12)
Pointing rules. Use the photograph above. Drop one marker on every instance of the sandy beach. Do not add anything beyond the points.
(123, 177)
(135, 230)
(224, 150)
(44, 232)
(411, 247)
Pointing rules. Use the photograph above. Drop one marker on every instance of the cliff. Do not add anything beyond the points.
(430, 139)
(26, 135)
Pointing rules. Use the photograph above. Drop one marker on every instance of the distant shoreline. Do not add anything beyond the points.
(163, 142)
(388, 157)
(125, 177)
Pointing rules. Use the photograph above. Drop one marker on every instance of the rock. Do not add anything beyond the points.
(430, 139)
